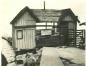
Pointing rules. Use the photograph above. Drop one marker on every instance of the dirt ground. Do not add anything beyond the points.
(70, 56)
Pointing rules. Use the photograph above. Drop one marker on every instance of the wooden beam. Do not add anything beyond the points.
(26, 26)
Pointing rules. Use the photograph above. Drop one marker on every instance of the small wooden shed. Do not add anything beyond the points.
(25, 24)
(23, 29)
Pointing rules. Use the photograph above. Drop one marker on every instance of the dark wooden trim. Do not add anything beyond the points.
(48, 16)
(46, 26)
(47, 21)
(33, 26)
(67, 21)
(26, 26)
(43, 29)
(75, 27)
(13, 37)
(20, 30)
(84, 34)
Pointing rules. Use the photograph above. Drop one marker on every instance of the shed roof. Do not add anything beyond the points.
(48, 15)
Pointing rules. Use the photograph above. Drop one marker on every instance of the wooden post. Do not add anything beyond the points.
(75, 32)
(44, 5)
(85, 35)
(46, 25)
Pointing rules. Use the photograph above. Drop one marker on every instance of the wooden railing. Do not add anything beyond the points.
(76, 38)
(80, 38)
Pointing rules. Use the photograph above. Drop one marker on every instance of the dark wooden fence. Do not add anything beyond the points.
(66, 37)
(80, 38)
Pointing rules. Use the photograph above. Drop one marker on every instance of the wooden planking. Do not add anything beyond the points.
(72, 38)
(79, 34)
(68, 18)
(85, 36)
(47, 12)
(30, 38)
(28, 41)
(26, 19)
(44, 18)
(71, 25)
(13, 37)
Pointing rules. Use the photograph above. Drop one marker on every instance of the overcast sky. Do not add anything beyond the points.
(10, 8)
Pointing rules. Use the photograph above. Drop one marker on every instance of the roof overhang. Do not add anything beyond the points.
(22, 12)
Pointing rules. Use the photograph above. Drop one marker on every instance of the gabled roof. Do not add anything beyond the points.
(70, 12)
(48, 15)
(22, 12)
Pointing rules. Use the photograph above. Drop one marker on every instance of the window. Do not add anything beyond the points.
(46, 32)
(19, 34)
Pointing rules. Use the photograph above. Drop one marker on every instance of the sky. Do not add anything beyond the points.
(10, 8)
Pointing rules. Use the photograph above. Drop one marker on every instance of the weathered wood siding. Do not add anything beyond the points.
(71, 22)
(28, 40)
(13, 37)
(71, 25)
(25, 19)
(47, 15)
(48, 18)
(68, 18)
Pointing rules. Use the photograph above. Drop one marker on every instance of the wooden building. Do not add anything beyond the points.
(32, 23)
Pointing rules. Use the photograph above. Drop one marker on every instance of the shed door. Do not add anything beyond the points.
(29, 37)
